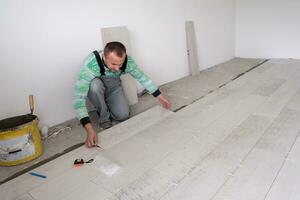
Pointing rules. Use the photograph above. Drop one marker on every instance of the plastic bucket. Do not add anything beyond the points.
(20, 140)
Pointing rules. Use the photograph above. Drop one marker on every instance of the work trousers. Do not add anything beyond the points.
(107, 95)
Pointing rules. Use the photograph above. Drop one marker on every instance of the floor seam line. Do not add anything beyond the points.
(282, 165)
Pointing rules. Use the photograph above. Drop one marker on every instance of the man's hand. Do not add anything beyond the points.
(164, 102)
(92, 137)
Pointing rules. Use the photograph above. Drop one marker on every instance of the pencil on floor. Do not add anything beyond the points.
(37, 175)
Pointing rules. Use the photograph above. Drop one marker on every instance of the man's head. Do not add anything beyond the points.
(114, 55)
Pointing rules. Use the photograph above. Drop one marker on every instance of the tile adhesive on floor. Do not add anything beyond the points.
(230, 139)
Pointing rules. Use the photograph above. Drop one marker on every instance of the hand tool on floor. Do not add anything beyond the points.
(37, 175)
(78, 162)
(98, 146)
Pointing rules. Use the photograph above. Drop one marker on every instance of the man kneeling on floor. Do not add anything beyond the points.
(99, 80)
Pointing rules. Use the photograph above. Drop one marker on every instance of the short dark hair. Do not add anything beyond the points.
(117, 47)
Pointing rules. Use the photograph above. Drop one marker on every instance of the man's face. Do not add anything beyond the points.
(113, 62)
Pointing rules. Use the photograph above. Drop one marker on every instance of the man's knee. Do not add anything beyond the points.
(97, 86)
(121, 115)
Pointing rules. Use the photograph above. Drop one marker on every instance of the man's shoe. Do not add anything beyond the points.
(105, 125)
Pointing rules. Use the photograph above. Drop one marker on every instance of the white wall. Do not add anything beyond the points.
(268, 28)
(43, 43)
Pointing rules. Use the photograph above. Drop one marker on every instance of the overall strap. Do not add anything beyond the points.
(100, 64)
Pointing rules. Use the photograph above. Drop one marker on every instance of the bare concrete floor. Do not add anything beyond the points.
(239, 141)
(181, 93)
